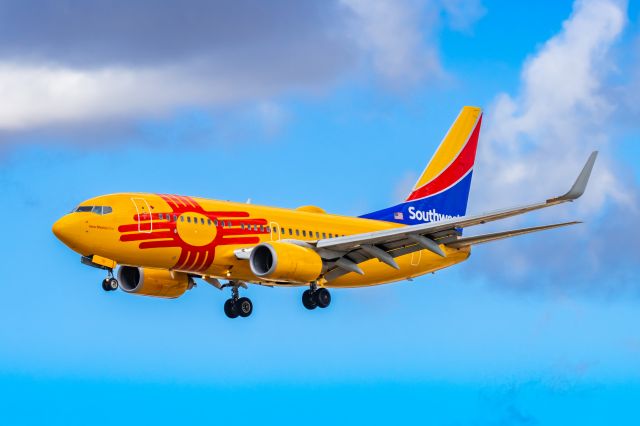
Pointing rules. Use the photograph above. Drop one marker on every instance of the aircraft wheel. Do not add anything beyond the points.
(244, 307)
(230, 308)
(105, 285)
(308, 300)
(322, 297)
(113, 284)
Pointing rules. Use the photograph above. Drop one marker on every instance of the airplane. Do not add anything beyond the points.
(162, 243)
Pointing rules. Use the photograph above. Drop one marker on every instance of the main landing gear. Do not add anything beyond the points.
(316, 297)
(237, 306)
(110, 283)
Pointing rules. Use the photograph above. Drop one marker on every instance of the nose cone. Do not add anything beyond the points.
(63, 229)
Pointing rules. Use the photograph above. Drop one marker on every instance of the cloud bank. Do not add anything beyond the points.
(65, 62)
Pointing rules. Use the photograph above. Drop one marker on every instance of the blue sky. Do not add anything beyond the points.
(538, 330)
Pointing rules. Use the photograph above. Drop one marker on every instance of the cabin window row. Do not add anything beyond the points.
(284, 231)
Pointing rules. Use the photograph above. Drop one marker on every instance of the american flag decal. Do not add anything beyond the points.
(398, 216)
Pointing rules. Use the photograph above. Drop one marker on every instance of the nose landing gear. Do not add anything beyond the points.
(237, 306)
(316, 297)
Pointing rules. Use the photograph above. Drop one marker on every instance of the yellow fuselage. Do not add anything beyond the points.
(201, 236)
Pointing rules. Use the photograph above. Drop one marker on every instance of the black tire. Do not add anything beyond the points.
(230, 308)
(113, 284)
(322, 297)
(244, 307)
(105, 285)
(308, 300)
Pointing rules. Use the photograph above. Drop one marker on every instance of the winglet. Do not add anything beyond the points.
(580, 184)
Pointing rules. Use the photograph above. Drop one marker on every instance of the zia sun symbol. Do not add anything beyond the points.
(192, 229)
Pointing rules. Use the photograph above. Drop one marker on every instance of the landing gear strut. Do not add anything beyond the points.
(237, 306)
(110, 283)
(316, 297)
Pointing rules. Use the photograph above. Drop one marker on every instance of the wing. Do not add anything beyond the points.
(343, 254)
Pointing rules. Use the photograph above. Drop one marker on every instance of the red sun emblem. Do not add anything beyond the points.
(196, 231)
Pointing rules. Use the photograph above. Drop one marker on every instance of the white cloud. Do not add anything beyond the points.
(33, 95)
(41, 95)
(533, 146)
(535, 142)
(391, 32)
(399, 36)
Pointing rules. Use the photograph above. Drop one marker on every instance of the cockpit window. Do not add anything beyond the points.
(101, 210)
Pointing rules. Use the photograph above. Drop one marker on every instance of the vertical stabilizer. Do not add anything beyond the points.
(442, 191)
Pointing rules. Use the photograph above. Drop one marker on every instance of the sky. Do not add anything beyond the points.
(339, 104)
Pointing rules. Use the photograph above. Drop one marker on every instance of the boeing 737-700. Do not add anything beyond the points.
(162, 243)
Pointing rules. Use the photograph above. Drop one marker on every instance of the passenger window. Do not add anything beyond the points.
(324, 235)
(160, 216)
(181, 218)
(175, 218)
(297, 232)
(188, 219)
(304, 233)
(267, 229)
(330, 235)
(202, 221)
(261, 228)
(209, 222)
(215, 222)
(317, 235)
(290, 231)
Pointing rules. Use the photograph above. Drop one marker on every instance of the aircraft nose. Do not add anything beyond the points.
(62, 229)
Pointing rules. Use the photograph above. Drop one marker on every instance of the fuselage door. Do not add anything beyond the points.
(143, 213)
(275, 231)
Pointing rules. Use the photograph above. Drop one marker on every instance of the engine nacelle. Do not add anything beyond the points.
(280, 261)
(153, 282)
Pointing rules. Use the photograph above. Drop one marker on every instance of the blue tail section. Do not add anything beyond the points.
(445, 205)
(442, 191)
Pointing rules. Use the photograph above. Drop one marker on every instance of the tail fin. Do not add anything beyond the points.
(442, 191)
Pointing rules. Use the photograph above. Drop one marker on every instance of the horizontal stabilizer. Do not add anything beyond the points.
(479, 239)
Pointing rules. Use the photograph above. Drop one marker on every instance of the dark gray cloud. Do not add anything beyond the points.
(96, 33)
(64, 62)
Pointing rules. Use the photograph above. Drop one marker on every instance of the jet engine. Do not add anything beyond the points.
(280, 261)
(154, 282)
